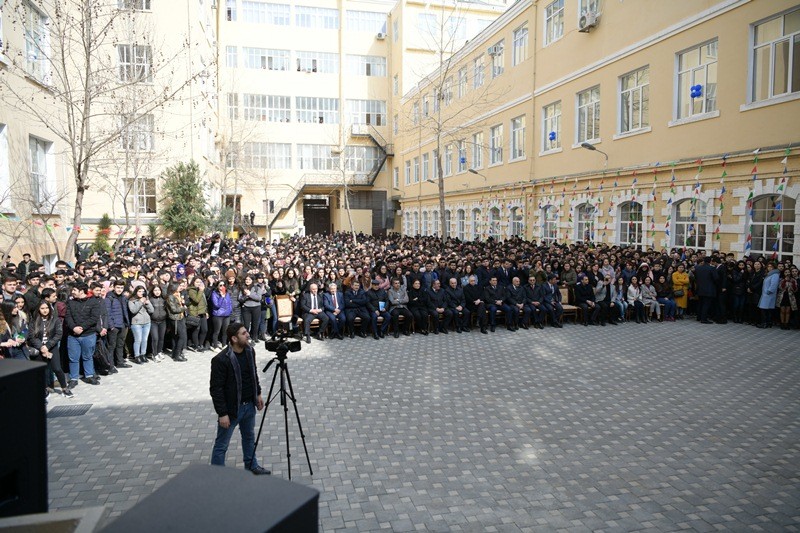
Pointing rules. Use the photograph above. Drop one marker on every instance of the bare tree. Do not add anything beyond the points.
(84, 64)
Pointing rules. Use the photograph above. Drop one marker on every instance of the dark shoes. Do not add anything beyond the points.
(73, 383)
(124, 365)
(308, 339)
(483, 330)
(92, 380)
(260, 471)
(491, 329)
(396, 334)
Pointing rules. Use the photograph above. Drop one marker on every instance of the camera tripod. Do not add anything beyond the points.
(283, 394)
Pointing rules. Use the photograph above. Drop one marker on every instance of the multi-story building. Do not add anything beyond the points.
(653, 124)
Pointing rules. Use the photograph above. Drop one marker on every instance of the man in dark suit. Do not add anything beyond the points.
(534, 298)
(585, 299)
(457, 304)
(705, 276)
(311, 307)
(721, 311)
(551, 300)
(378, 306)
(438, 306)
(333, 303)
(355, 305)
(515, 298)
(495, 297)
(473, 294)
(504, 274)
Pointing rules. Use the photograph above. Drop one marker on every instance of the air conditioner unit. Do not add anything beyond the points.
(588, 20)
(492, 50)
(381, 36)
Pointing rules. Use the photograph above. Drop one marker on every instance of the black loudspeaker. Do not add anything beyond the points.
(23, 445)
(214, 498)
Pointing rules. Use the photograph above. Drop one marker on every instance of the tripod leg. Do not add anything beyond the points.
(299, 424)
(264, 414)
(286, 419)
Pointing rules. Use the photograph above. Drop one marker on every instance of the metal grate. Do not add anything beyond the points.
(69, 410)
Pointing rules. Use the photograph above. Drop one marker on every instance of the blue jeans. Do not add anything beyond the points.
(81, 349)
(669, 307)
(141, 332)
(246, 421)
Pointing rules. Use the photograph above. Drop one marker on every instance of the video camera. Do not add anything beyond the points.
(279, 343)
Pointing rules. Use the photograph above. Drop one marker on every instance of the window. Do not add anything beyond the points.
(776, 57)
(516, 223)
(553, 22)
(437, 97)
(462, 82)
(456, 28)
(395, 84)
(367, 112)
(264, 13)
(366, 65)
(395, 30)
(551, 124)
(425, 223)
(415, 113)
(279, 155)
(231, 154)
(519, 53)
(426, 24)
(448, 160)
(435, 162)
(773, 225)
(635, 100)
(477, 150)
(584, 227)
(549, 223)
(362, 159)
(462, 156)
(322, 62)
(630, 224)
(317, 157)
(268, 207)
(448, 90)
(263, 107)
(233, 106)
(498, 59)
(518, 137)
(478, 70)
(408, 172)
(416, 223)
(267, 59)
(589, 115)
(395, 124)
(135, 63)
(133, 5)
(314, 110)
(689, 223)
(476, 224)
(448, 222)
(136, 134)
(316, 17)
(697, 66)
(496, 145)
(231, 57)
(586, 6)
(426, 105)
(5, 171)
(141, 195)
(396, 178)
(494, 222)
(365, 21)
(415, 175)
(41, 170)
(230, 10)
(461, 224)
(426, 163)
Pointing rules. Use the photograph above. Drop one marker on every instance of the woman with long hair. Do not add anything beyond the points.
(786, 298)
(13, 336)
(140, 310)
(635, 299)
(250, 297)
(198, 309)
(44, 336)
(176, 312)
(221, 308)
(158, 322)
(621, 298)
(680, 290)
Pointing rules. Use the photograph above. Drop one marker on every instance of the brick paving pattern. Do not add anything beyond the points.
(621, 428)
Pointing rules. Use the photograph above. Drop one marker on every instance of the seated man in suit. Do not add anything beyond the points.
(355, 305)
(457, 304)
(311, 307)
(473, 294)
(438, 306)
(378, 306)
(551, 300)
(585, 299)
(398, 300)
(333, 302)
(515, 298)
(495, 297)
(534, 296)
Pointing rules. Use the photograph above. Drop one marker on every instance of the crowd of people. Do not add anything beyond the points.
(158, 299)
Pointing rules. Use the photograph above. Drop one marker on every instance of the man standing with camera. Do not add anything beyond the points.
(236, 394)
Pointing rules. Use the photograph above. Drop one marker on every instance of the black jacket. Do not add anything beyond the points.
(436, 299)
(417, 299)
(705, 276)
(455, 297)
(355, 299)
(493, 294)
(84, 313)
(534, 293)
(226, 387)
(584, 293)
(515, 295)
(373, 299)
(472, 293)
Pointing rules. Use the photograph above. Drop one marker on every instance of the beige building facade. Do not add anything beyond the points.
(690, 108)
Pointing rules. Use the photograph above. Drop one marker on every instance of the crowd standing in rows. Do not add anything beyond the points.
(167, 298)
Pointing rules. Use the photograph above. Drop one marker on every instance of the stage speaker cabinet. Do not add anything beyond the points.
(214, 498)
(23, 446)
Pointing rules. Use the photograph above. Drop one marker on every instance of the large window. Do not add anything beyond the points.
(519, 53)
(416, 170)
(448, 160)
(362, 159)
(141, 195)
(456, 28)
(425, 222)
(690, 224)
(396, 178)
(776, 56)
(426, 164)
(518, 137)
(322, 62)
(462, 82)
(41, 171)
(584, 227)
(316, 17)
(447, 90)
(476, 224)
(553, 21)
(270, 108)
(630, 224)
(551, 126)
(697, 67)
(416, 223)
(494, 222)
(267, 59)
(230, 10)
(5, 170)
(462, 156)
(634, 100)
(231, 57)
(498, 59)
(137, 133)
(134, 5)
(517, 223)
(317, 157)
(773, 225)
(37, 42)
(365, 21)
(426, 25)
(496, 145)
(478, 70)
(316, 110)
(589, 115)
(435, 162)
(264, 13)
(135, 63)
(366, 65)
(461, 224)
(408, 172)
(477, 150)
(258, 155)
(549, 223)
(367, 112)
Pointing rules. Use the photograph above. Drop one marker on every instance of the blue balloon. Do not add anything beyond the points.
(552, 136)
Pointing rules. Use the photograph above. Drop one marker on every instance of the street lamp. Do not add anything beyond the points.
(593, 148)
(473, 171)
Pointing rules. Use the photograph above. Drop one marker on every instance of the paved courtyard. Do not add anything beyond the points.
(660, 427)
